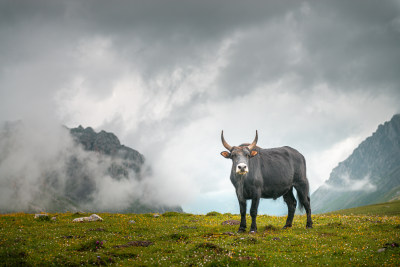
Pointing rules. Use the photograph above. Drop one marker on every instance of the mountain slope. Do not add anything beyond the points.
(382, 209)
(371, 174)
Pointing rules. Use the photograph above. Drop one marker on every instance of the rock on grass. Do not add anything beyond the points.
(91, 218)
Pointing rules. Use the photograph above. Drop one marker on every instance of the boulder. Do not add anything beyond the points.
(91, 218)
(37, 216)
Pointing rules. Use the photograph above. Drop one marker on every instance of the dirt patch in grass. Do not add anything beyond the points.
(178, 237)
(271, 228)
(210, 246)
(135, 244)
(230, 222)
(98, 230)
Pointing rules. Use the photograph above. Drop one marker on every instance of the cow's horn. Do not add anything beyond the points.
(224, 142)
(253, 145)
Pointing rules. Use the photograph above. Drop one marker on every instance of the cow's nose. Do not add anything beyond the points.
(241, 167)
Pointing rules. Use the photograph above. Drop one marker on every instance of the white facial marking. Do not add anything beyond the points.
(242, 168)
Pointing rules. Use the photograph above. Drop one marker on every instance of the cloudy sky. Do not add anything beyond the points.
(167, 76)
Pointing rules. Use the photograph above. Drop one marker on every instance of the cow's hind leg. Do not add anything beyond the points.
(302, 193)
(291, 203)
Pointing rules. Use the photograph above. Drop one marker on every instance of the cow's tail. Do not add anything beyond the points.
(303, 196)
(301, 205)
(303, 188)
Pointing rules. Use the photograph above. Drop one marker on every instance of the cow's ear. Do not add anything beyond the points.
(253, 153)
(226, 154)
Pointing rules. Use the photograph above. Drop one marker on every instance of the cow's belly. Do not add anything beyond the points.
(271, 192)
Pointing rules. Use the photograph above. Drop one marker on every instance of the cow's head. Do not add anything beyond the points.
(240, 155)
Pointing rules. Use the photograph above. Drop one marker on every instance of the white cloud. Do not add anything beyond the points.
(351, 184)
(321, 163)
(35, 164)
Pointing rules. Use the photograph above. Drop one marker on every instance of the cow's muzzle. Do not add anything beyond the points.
(242, 169)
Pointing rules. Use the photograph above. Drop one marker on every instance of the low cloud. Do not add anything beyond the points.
(347, 183)
(40, 164)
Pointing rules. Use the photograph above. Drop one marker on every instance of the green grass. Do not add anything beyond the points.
(198, 240)
(382, 209)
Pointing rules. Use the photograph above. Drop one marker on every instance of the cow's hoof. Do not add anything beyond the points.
(253, 231)
(241, 230)
(309, 227)
(287, 226)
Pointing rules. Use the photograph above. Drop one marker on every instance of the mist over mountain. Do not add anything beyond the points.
(371, 174)
(59, 169)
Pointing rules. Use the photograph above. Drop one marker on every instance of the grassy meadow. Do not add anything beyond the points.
(174, 239)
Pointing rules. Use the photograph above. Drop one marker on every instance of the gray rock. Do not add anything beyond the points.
(91, 218)
(41, 215)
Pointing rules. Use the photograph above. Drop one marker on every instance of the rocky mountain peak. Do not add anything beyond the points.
(371, 174)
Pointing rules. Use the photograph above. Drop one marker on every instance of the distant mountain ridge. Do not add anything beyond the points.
(108, 144)
(94, 172)
(125, 160)
(371, 174)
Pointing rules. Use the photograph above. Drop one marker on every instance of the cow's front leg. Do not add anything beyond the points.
(253, 214)
(242, 205)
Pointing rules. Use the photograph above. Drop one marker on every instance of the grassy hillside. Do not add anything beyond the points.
(175, 239)
(381, 209)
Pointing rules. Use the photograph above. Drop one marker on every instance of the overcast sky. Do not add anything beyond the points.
(167, 76)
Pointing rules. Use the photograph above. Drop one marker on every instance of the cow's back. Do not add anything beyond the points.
(279, 167)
